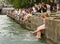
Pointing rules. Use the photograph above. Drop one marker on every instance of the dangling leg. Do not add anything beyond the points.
(39, 28)
(38, 35)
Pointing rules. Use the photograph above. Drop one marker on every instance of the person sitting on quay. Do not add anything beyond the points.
(16, 12)
(34, 10)
(41, 27)
(28, 14)
(39, 7)
(42, 17)
(44, 7)
(52, 6)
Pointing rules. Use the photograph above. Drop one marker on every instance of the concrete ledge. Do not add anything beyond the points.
(53, 30)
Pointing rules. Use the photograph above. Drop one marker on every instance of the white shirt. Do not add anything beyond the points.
(34, 10)
(16, 12)
(23, 11)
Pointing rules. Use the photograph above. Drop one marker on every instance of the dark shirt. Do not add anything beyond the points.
(44, 8)
(39, 10)
(52, 5)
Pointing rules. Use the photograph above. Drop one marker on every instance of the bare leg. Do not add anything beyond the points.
(39, 28)
(38, 35)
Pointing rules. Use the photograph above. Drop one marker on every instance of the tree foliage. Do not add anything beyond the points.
(22, 3)
(19, 3)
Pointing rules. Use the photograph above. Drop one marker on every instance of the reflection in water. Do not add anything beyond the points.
(12, 33)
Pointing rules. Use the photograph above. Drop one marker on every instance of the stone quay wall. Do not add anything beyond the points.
(53, 30)
(31, 24)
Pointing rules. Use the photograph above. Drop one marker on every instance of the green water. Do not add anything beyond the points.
(13, 33)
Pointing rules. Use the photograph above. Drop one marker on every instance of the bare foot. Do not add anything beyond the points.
(32, 32)
(38, 37)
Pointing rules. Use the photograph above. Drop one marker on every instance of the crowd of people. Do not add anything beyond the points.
(25, 13)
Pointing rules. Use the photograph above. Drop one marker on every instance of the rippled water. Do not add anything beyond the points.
(12, 33)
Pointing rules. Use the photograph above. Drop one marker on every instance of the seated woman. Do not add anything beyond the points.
(41, 27)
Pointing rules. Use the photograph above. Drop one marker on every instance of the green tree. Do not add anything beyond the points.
(22, 3)
(19, 3)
